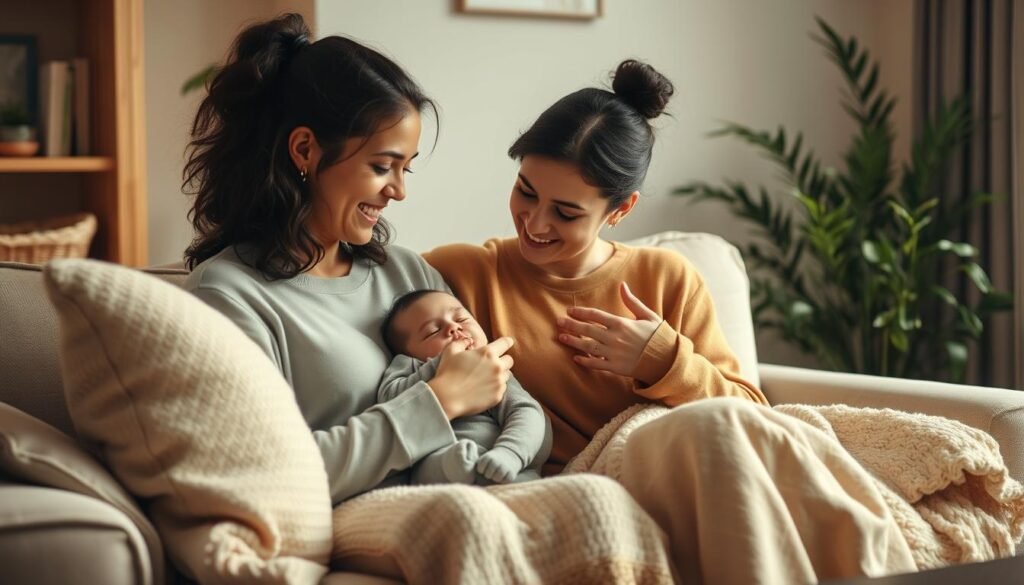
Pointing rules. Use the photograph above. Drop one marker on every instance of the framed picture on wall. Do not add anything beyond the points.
(18, 76)
(573, 9)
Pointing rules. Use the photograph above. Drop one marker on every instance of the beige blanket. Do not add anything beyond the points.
(945, 482)
(566, 530)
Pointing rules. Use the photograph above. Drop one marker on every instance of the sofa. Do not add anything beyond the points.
(59, 526)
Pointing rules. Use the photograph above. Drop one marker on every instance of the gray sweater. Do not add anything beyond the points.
(323, 334)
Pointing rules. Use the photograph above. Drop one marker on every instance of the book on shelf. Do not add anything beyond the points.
(64, 113)
(54, 108)
(81, 128)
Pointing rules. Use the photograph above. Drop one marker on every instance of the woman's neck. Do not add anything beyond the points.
(595, 257)
(332, 265)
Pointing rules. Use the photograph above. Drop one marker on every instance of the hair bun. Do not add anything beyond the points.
(642, 87)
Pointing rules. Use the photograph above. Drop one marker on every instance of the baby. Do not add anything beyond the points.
(509, 442)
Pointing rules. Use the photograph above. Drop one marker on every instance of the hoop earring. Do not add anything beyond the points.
(302, 174)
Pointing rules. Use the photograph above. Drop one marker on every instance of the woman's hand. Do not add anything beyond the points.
(471, 381)
(609, 342)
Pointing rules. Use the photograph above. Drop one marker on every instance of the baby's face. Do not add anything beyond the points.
(432, 322)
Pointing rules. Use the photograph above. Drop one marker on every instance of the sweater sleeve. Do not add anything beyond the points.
(246, 319)
(525, 429)
(688, 357)
(383, 439)
(402, 374)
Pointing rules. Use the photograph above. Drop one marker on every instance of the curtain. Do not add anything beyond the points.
(966, 47)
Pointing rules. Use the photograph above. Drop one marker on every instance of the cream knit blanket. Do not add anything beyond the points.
(566, 530)
(945, 482)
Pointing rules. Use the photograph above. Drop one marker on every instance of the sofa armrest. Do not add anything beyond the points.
(997, 411)
(39, 456)
(50, 535)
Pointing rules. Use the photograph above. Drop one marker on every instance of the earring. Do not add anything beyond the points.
(612, 224)
(302, 174)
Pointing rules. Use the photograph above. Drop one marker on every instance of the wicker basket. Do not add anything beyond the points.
(36, 242)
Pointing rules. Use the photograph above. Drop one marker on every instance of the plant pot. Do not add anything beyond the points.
(18, 141)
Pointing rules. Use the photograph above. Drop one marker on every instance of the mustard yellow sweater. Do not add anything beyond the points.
(686, 359)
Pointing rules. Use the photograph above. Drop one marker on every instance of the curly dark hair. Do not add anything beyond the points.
(247, 191)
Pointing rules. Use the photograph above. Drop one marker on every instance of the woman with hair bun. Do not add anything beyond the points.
(296, 152)
(601, 326)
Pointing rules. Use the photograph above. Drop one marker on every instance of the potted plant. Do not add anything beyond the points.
(854, 272)
(17, 135)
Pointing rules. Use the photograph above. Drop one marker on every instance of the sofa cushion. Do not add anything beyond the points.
(193, 418)
(725, 275)
(32, 451)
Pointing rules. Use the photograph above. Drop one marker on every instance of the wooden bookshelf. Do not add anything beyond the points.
(57, 164)
(111, 183)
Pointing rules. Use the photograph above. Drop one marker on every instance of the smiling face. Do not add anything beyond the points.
(349, 196)
(431, 322)
(558, 216)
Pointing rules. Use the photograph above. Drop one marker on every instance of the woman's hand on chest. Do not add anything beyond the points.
(609, 342)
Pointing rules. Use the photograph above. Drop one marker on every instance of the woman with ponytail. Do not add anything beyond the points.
(601, 326)
(296, 152)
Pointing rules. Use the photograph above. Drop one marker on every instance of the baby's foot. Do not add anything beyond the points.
(459, 463)
(499, 465)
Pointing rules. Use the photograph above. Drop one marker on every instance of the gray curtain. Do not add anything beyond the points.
(965, 47)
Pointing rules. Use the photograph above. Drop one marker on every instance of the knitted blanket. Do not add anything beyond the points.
(565, 530)
(945, 482)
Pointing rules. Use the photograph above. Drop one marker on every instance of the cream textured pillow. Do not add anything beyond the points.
(196, 421)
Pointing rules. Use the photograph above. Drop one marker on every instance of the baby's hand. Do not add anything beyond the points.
(499, 465)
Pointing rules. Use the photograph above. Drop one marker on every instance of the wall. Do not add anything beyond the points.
(738, 60)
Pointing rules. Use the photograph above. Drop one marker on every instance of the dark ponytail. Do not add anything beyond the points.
(247, 191)
(605, 135)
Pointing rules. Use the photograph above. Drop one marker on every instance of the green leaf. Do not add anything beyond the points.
(926, 206)
(977, 275)
(963, 250)
(899, 340)
(870, 251)
(971, 322)
(869, 85)
(944, 294)
(800, 310)
(902, 213)
(199, 80)
(883, 319)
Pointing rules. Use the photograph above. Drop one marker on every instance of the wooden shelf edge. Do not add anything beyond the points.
(56, 164)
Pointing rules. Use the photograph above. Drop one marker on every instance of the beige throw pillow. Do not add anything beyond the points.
(194, 420)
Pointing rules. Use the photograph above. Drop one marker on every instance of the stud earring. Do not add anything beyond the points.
(302, 174)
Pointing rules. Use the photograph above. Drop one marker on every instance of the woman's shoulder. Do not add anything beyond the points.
(408, 268)
(659, 258)
(402, 256)
(225, 272)
(451, 256)
(666, 264)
